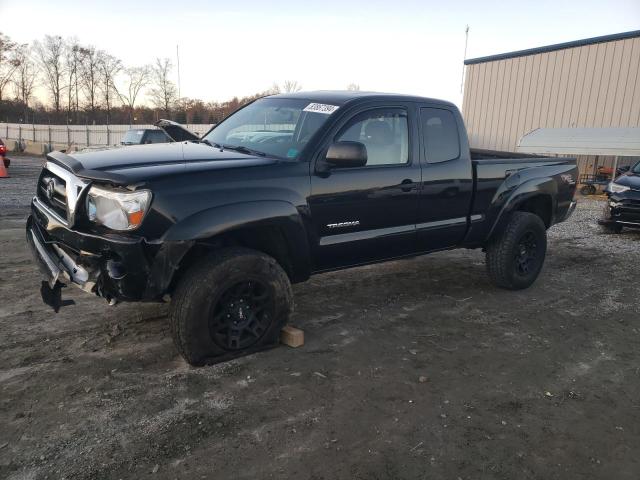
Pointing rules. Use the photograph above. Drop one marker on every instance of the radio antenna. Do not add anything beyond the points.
(466, 41)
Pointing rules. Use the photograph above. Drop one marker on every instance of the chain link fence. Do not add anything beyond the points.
(78, 135)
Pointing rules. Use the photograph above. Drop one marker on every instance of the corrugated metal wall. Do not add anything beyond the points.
(588, 86)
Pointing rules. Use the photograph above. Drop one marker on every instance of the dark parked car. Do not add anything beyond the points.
(623, 206)
(141, 136)
(288, 186)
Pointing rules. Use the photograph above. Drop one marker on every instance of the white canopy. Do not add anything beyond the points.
(619, 142)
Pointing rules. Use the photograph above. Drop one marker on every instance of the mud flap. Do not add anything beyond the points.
(53, 296)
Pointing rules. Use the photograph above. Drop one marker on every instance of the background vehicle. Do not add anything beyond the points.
(288, 186)
(140, 136)
(623, 206)
(3, 154)
(590, 181)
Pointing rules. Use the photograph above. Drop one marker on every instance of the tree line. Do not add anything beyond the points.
(86, 85)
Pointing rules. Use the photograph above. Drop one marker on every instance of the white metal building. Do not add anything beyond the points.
(590, 83)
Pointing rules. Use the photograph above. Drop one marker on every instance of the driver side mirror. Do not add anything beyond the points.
(347, 154)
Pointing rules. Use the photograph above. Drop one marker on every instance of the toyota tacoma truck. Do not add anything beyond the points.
(288, 186)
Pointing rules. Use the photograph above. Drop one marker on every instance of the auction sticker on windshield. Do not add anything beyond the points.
(321, 108)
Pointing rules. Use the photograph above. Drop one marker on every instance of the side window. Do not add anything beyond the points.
(384, 132)
(440, 135)
(156, 136)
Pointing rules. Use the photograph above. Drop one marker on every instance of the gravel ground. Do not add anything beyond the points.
(411, 369)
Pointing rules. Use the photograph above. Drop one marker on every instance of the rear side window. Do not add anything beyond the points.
(156, 136)
(440, 135)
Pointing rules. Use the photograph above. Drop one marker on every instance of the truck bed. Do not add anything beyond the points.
(496, 174)
(479, 154)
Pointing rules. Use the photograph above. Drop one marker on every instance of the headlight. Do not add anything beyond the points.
(117, 210)
(617, 188)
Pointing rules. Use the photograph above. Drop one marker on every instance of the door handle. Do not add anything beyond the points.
(407, 185)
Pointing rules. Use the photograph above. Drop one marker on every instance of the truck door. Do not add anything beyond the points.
(363, 214)
(447, 180)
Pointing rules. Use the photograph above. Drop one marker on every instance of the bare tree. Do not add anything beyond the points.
(25, 76)
(354, 87)
(51, 57)
(290, 86)
(8, 63)
(164, 92)
(73, 57)
(136, 78)
(89, 74)
(274, 89)
(108, 69)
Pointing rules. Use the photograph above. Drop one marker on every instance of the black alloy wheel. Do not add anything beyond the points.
(241, 315)
(526, 254)
(232, 302)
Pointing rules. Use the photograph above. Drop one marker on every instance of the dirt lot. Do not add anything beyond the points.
(543, 383)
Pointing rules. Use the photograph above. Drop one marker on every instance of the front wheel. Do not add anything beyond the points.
(232, 303)
(515, 256)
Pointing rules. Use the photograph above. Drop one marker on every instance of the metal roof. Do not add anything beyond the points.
(557, 46)
(621, 142)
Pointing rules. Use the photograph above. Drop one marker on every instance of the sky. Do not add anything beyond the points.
(237, 48)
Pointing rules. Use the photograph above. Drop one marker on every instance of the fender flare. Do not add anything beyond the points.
(507, 204)
(211, 222)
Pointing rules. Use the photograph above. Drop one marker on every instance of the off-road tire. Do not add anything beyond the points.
(199, 292)
(504, 250)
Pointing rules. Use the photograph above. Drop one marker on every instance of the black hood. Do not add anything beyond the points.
(137, 163)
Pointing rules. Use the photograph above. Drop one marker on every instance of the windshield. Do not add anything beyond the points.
(132, 137)
(278, 127)
(636, 169)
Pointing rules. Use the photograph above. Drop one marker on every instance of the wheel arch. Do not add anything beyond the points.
(272, 227)
(537, 196)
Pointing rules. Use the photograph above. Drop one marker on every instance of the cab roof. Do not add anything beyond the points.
(342, 97)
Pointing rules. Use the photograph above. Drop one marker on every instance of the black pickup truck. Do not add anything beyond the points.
(288, 186)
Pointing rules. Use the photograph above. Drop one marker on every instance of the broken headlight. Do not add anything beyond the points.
(117, 210)
(617, 188)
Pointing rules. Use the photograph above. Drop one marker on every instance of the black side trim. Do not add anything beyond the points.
(366, 235)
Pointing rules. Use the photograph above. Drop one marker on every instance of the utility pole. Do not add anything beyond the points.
(178, 60)
(466, 41)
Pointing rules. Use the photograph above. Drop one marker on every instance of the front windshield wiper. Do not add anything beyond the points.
(237, 148)
(212, 144)
(242, 149)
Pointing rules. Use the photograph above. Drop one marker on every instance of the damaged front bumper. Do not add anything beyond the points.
(622, 210)
(115, 267)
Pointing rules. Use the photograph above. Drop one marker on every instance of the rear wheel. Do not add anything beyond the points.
(515, 256)
(234, 302)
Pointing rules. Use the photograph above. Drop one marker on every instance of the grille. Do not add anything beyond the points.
(52, 191)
